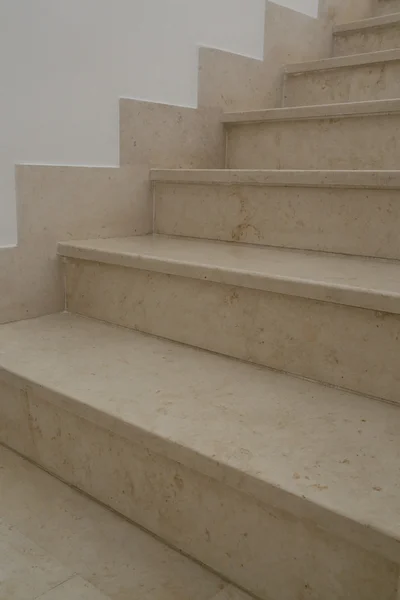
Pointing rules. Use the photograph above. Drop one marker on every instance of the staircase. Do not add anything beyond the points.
(231, 383)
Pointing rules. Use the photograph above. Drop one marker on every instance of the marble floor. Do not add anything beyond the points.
(56, 544)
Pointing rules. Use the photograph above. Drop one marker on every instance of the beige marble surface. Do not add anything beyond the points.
(235, 82)
(369, 35)
(343, 11)
(362, 80)
(327, 342)
(153, 134)
(113, 377)
(63, 202)
(381, 180)
(368, 142)
(73, 202)
(341, 62)
(309, 113)
(269, 551)
(85, 420)
(355, 281)
(384, 7)
(231, 206)
(56, 544)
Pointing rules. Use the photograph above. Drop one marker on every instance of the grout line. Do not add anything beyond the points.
(56, 586)
(156, 537)
(153, 197)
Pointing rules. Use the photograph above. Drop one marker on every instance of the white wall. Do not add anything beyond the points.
(308, 7)
(65, 63)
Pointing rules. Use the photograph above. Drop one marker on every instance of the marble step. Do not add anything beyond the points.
(353, 135)
(354, 78)
(286, 487)
(316, 315)
(367, 35)
(57, 542)
(385, 7)
(349, 212)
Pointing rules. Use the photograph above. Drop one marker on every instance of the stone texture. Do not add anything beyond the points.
(168, 470)
(235, 82)
(64, 203)
(343, 11)
(75, 588)
(371, 35)
(268, 551)
(73, 202)
(353, 281)
(330, 219)
(349, 438)
(171, 136)
(368, 142)
(327, 342)
(103, 556)
(353, 83)
(384, 7)
(27, 571)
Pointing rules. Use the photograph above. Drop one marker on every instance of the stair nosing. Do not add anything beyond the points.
(380, 300)
(342, 62)
(343, 110)
(363, 24)
(385, 180)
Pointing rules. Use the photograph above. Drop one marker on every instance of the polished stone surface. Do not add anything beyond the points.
(59, 202)
(285, 486)
(354, 281)
(369, 35)
(234, 82)
(171, 396)
(335, 142)
(324, 211)
(324, 341)
(355, 83)
(123, 417)
(384, 7)
(56, 544)
(380, 180)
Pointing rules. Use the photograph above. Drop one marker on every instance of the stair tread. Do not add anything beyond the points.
(357, 281)
(340, 62)
(278, 437)
(287, 177)
(317, 111)
(371, 23)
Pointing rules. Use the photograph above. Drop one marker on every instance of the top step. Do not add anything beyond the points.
(386, 7)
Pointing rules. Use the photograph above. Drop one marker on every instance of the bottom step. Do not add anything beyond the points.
(286, 487)
(56, 544)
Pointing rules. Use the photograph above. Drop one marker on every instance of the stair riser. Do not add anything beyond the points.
(379, 81)
(370, 40)
(163, 495)
(349, 221)
(386, 7)
(369, 142)
(327, 342)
